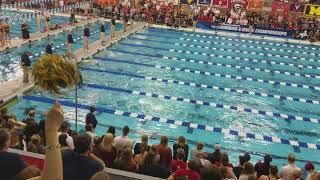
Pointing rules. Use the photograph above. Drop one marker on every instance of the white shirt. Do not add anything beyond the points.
(91, 134)
(120, 142)
(69, 140)
(288, 171)
(196, 154)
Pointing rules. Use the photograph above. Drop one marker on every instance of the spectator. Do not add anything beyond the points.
(191, 172)
(91, 117)
(151, 166)
(126, 162)
(181, 144)
(262, 168)
(112, 130)
(89, 131)
(106, 150)
(273, 174)
(288, 171)
(248, 172)
(143, 144)
(179, 163)
(32, 126)
(197, 152)
(228, 167)
(139, 158)
(309, 167)
(64, 129)
(164, 152)
(215, 157)
(123, 141)
(80, 163)
(35, 144)
(210, 173)
(63, 142)
(238, 169)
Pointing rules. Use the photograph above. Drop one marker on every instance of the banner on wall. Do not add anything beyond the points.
(204, 2)
(280, 8)
(255, 5)
(296, 8)
(221, 3)
(188, 2)
(311, 10)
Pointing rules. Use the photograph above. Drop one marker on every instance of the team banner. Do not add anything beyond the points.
(204, 2)
(221, 3)
(280, 8)
(188, 2)
(296, 8)
(312, 10)
(255, 5)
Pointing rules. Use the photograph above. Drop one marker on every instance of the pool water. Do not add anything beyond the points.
(176, 78)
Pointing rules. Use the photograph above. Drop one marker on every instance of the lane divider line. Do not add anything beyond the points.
(206, 103)
(236, 66)
(180, 123)
(229, 76)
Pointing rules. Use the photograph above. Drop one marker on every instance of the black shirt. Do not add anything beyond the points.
(102, 28)
(25, 60)
(156, 170)
(78, 167)
(49, 49)
(91, 119)
(10, 164)
(86, 32)
(113, 21)
(70, 38)
(185, 149)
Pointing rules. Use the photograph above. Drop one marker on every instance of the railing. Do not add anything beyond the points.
(38, 161)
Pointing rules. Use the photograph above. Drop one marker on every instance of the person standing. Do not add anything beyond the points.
(125, 23)
(39, 17)
(25, 63)
(49, 48)
(48, 21)
(72, 19)
(91, 117)
(86, 35)
(25, 31)
(1, 34)
(102, 33)
(69, 45)
(112, 27)
(7, 32)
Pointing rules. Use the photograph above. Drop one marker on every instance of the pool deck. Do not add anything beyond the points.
(18, 41)
(14, 88)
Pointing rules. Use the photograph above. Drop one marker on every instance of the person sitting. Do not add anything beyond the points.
(288, 171)
(191, 172)
(91, 117)
(197, 152)
(179, 162)
(123, 141)
(262, 168)
(164, 152)
(126, 162)
(112, 130)
(106, 150)
(34, 144)
(181, 144)
(152, 167)
(80, 163)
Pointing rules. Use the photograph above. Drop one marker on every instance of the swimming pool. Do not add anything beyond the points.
(247, 94)
(10, 59)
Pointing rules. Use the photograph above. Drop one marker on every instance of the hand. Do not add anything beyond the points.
(54, 118)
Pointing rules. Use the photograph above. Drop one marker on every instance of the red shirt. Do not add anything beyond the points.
(192, 175)
(176, 165)
(165, 156)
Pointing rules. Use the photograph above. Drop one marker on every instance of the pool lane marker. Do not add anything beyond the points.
(229, 57)
(235, 39)
(206, 103)
(229, 76)
(235, 66)
(180, 123)
(197, 85)
(235, 45)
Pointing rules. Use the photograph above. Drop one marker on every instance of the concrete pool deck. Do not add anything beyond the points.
(14, 88)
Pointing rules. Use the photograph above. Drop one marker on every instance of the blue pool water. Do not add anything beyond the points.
(214, 81)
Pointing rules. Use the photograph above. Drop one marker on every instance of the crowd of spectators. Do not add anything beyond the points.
(85, 154)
